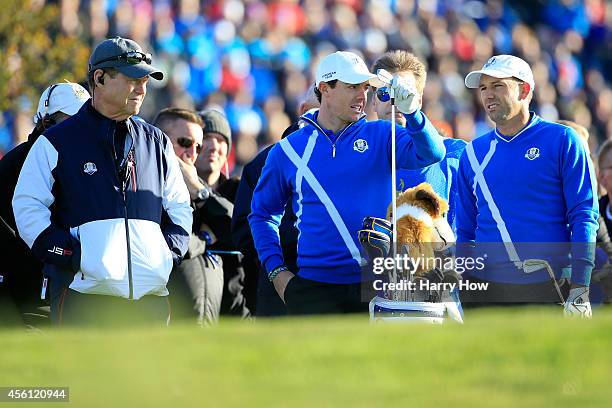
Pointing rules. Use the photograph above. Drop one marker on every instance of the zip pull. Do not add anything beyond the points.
(334, 150)
(43, 290)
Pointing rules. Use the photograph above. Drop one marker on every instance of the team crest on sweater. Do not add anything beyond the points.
(89, 168)
(360, 145)
(532, 153)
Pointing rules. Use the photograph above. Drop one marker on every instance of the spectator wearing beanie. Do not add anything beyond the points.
(211, 161)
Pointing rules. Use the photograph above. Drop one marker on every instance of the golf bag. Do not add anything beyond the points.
(431, 297)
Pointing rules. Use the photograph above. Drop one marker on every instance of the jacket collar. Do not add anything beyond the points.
(98, 119)
(104, 124)
(311, 116)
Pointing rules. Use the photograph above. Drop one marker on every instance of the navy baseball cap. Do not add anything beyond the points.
(126, 56)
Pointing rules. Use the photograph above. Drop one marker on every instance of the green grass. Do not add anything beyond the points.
(499, 358)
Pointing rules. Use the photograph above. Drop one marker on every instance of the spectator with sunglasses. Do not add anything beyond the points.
(443, 175)
(196, 285)
(21, 271)
(101, 202)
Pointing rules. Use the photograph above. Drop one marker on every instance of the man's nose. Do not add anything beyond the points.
(216, 145)
(140, 88)
(193, 150)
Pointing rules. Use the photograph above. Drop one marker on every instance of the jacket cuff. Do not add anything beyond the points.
(273, 262)
(415, 121)
(581, 272)
(57, 247)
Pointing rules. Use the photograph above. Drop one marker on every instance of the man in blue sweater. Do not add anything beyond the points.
(443, 175)
(335, 170)
(528, 184)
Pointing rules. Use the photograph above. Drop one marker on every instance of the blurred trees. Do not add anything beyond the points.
(34, 52)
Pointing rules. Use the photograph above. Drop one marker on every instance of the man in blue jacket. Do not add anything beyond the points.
(268, 302)
(529, 187)
(336, 170)
(101, 200)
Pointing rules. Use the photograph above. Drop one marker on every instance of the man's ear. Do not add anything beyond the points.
(524, 89)
(598, 175)
(98, 77)
(323, 87)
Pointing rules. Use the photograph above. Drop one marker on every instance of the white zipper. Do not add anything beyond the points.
(312, 122)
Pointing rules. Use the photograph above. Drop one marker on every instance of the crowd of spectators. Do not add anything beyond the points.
(255, 58)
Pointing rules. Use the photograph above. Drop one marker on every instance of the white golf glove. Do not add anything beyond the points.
(577, 303)
(406, 95)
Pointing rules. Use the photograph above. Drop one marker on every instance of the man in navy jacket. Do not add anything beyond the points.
(101, 200)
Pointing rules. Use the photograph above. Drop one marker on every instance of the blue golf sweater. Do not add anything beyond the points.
(537, 195)
(333, 183)
(442, 176)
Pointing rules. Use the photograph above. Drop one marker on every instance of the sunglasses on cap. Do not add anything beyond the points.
(187, 143)
(383, 94)
(132, 58)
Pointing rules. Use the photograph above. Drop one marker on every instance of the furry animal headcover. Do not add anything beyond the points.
(422, 228)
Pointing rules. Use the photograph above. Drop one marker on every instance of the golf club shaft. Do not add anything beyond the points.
(552, 276)
(393, 188)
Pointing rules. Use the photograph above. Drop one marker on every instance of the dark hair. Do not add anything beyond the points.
(48, 121)
(112, 72)
(167, 115)
(43, 124)
(332, 84)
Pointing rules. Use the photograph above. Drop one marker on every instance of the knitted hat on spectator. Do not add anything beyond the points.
(216, 122)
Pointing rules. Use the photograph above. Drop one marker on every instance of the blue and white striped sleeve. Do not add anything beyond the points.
(31, 201)
(33, 193)
(466, 202)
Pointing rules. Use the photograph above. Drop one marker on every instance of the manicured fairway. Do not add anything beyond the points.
(499, 358)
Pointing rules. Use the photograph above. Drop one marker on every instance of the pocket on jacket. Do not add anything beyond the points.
(151, 257)
(103, 250)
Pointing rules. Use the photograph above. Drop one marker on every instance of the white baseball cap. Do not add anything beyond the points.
(346, 67)
(65, 97)
(502, 66)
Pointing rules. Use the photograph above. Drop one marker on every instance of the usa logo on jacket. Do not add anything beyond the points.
(532, 153)
(89, 168)
(360, 145)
